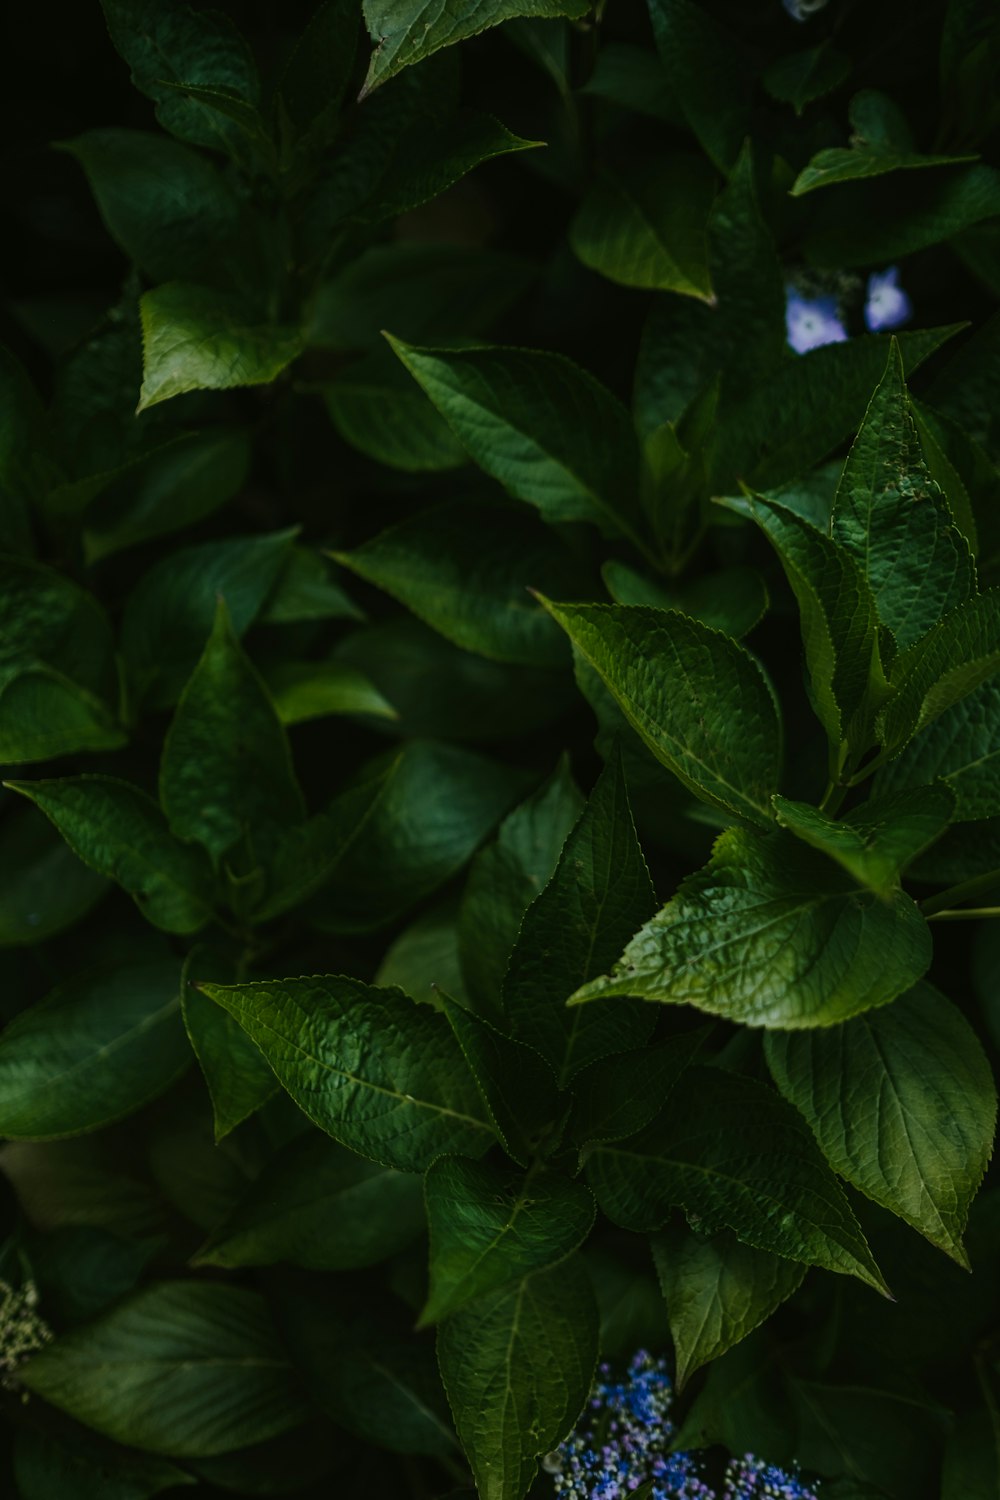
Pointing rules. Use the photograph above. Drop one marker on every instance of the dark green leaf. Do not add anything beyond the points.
(733, 1155)
(618, 1096)
(893, 517)
(319, 1206)
(599, 893)
(726, 749)
(43, 886)
(169, 614)
(305, 590)
(424, 960)
(870, 223)
(880, 144)
(406, 31)
(226, 774)
(195, 339)
(842, 950)
(238, 1078)
(709, 73)
(548, 431)
(517, 1367)
(183, 1368)
(379, 1073)
(97, 1048)
(435, 564)
(717, 1290)
(877, 841)
(122, 834)
(302, 690)
(801, 77)
(882, 1441)
(171, 43)
(169, 209)
(490, 1226)
(954, 658)
(962, 748)
(85, 1469)
(903, 1105)
(732, 600)
(646, 225)
(315, 78)
(505, 878)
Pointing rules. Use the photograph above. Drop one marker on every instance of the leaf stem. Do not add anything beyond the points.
(832, 798)
(955, 894)
(965, 914)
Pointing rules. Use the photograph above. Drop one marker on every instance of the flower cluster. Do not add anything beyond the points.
(22, 1329)
(622, 1441)
(813, 320)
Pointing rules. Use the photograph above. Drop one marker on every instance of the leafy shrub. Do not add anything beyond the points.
(501, 721)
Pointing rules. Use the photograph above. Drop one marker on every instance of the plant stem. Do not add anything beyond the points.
(955, 894)
(965, 914)
(832, 798)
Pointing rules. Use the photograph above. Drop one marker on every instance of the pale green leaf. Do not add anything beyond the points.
(373, 1069)
(726, 747)
(517, 1367)
(195, 339)
(903, 1105)
(302, 690)
(771, 933)
(717, 1290)
(490, 1226)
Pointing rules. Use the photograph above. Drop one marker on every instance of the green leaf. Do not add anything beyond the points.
(43, 886)
(57, 667)
(97, 1048)
(839, 623)
(778, 426)
(438, 805)
(517, 1086)
(86, 1469)
(893, 517)
(733, 1155)
(962, 748)
(305, 590)
(544, 428)
(504, 879)
(423, 959)
(375, 408)
(170, 43)
(874, 222)
(172, 489)
(379, 1073)
(195, 339)
(646, 224)
(726, 751)
(226, 774)
(717, 1290)
(428, 164)
(168, 208)
(406, 31)
(435, 564)
(302, 690)
(732, 600)
(492, 1225)
(801, 77)
(634, 79)
(517, 1367)
(310, 852)
(121, 833)
(842, 950)
(880, 144)
(316, 75)
(319, 1206)
(877, 841)
(598, 895)
(954, 658)
(709, 73)
(183, 1368)
(903, 1105)
(239, 1080)
(617, 1096)
(971, 1469)
(881, 1441)
(170, 612)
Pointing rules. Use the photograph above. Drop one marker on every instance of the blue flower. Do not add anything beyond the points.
(812, 321)
(622, 1441)
(801, 10)
(886, 304)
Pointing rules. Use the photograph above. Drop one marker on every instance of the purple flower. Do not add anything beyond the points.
(812, 321)
(886, 304)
